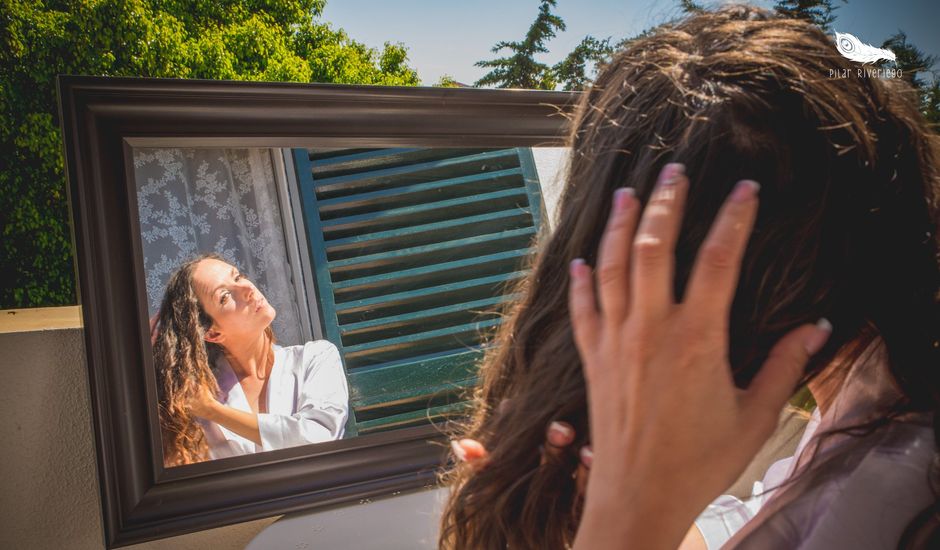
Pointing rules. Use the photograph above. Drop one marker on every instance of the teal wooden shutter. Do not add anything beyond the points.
(412, 251)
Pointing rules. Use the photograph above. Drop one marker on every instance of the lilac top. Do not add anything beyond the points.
(866, 497)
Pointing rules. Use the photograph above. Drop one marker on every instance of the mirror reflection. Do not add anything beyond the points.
(298, 296)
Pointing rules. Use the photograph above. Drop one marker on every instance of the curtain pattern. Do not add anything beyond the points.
(193, 201)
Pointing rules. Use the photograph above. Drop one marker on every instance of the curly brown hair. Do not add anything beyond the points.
(847, 230)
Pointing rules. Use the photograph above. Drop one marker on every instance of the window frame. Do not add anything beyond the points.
(103, 118)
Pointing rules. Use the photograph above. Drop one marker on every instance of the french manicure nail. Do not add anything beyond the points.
(575, 266)
(559, 435)
(818, 339)
(587, 456)
(459, 452)
(621, 197)
(744, 190)
(672, 173)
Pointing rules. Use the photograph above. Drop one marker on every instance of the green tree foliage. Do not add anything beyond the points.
(910, 59)
(520, 69)
(688, 6)
(447, 81)
(574, 71)
(279, 40)
(931, 103)
(915, 65)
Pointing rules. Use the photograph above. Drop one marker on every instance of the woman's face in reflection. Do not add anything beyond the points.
(237, 308)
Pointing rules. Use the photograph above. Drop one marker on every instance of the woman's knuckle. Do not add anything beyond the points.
(718, 254)
(649, 249)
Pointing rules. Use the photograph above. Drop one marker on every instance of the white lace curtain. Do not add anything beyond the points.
(193, 201)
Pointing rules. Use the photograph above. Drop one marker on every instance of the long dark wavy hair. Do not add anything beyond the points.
(847, 230)
(184, 365)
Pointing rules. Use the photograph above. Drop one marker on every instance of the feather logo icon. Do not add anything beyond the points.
(856, 50)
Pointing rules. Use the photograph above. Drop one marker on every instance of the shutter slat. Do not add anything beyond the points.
(362, 349)
(413, 418)
(468, 245)
(415, 300)
(420, 343)
(426, 276)
(404, 380)
(426, 233)
(355, 159)
(328, 187)
(424, 213)
(407, 193)
(423, 315)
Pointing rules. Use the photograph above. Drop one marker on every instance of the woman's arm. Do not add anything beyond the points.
(321, 409)
(322, 404)
(242, 423)
(669, 428)
(245, 424)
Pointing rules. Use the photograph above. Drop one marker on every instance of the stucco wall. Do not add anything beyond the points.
(49, 494)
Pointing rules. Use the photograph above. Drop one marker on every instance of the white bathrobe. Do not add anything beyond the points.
(307, 396)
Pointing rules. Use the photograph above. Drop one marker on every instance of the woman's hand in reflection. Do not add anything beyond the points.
(203, 404)
(669, 428)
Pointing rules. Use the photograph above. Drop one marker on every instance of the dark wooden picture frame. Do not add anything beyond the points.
(102, 118)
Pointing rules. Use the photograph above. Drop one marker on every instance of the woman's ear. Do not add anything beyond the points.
(213, 335)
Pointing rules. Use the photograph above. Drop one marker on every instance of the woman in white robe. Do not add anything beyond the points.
(307, 400)
(225, 388)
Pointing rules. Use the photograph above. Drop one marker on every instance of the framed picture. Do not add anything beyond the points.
(287, 288)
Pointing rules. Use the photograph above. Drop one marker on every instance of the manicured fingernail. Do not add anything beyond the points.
(587, 456)
(622, 198)
(672, 172)
(817, 340)
(458, 450)
(745, 190)
(575, 266)
(559, 434)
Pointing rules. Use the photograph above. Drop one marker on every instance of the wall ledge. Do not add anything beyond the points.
(40, 318)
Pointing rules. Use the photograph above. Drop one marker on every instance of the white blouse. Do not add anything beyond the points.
(307, 397)
(868, 495)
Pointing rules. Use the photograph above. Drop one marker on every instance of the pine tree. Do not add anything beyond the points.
(930, 104)
(690, 7)
(910, 59)
(573, 71)
(818, 12)
(521, 70)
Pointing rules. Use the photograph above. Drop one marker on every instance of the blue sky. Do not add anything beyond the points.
(449, 36)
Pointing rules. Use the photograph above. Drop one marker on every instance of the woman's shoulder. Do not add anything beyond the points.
(311, 354)
(866, 504)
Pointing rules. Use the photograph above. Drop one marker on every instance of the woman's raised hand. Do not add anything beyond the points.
(669, 428)
(203, 404)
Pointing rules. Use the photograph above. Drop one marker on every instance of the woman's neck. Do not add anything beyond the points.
(250, 358)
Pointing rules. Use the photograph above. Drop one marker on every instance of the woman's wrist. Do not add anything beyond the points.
(630, 513)
(213, 411)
